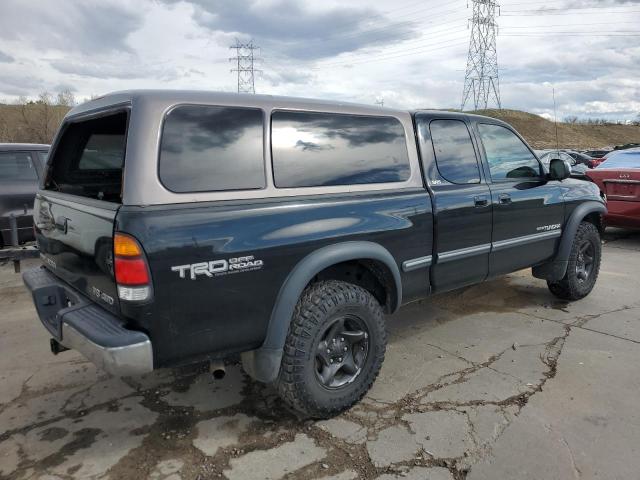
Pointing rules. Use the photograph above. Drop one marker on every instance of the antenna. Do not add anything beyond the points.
(481, 77)
(380, 102)
(245, 61)
(555, 117)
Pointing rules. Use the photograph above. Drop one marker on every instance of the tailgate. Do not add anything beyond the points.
(76, 244)
(74, 212)
(625, 189)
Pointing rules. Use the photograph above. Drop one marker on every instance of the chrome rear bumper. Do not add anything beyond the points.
(79, 324)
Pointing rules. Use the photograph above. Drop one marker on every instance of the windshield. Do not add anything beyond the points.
(622, 160)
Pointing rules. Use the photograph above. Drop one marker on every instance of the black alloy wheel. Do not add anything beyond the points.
(342, 351)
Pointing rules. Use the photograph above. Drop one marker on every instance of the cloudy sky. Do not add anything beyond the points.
(410, 53)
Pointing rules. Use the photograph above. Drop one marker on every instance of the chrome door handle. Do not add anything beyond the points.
(480, 201)
(504, 199)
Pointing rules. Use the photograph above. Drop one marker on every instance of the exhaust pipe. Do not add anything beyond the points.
(217, 369)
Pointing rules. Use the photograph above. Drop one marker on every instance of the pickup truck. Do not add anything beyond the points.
(20, 169)
(180, 227)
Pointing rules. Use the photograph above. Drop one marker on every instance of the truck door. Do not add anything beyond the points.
(461, 201)
(528, 209)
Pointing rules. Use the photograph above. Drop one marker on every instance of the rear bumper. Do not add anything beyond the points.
(81, 325)
(622, 214)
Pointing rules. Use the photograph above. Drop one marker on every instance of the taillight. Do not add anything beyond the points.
(130, 268)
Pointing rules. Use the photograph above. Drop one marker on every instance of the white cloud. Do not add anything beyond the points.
(412, 54)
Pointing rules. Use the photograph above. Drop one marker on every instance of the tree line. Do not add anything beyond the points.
(599, 121)
(34, 120)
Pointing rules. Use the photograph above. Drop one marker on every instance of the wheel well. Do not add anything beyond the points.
(372, 275)
(596, 219)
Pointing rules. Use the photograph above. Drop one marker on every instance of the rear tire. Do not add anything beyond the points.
(584, 265)
(334, 349)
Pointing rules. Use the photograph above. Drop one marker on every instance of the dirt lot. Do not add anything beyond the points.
(497, 381)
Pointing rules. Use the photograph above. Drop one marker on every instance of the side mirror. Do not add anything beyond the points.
(559, 169)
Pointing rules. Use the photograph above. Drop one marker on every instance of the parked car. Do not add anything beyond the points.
(21, 167)
(596, 153)
(627, 146)
(284, 229)
(619, 179)
(581, 158)
(598, 156)
(576, 167)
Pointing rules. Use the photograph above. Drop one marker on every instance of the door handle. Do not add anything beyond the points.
(504, 199)
(480, 201)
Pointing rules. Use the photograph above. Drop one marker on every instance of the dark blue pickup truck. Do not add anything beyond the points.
(178, 227)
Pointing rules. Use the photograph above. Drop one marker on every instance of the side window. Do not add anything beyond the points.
(321, 149)
(210, 148)
(17, 166)
(508, 157)
(455, 155)
(568, 158)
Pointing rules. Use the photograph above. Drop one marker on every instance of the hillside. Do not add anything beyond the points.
(38, 123)
(541, 133)
(31, 123)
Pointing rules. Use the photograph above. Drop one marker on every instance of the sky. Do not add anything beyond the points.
(408, 53)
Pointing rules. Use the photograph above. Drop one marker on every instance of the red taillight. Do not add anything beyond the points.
(130, 269)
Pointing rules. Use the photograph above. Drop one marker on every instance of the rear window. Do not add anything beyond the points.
(42, 158)
(17, 166)
(324, 149)
(209, 148)
(89, 158)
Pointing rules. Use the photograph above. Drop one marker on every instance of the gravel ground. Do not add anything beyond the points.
(496, 381)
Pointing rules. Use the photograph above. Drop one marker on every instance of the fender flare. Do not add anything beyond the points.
(556, 269)
(263, 364)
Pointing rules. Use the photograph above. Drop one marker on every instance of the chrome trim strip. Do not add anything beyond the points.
(134, 359)
(463, 253)
(517, 241)
(416, 263)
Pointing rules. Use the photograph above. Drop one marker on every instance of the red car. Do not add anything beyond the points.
(619, 178)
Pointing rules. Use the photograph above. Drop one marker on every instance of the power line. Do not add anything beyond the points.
(565, 25)
(245, 66)
(574, 34)
(481, 79)
(514, 13)
(407, 52)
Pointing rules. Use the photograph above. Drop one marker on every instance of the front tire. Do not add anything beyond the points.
(583, 267)
(334, 349)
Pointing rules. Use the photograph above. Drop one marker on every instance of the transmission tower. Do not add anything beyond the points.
(481, 83)
(245, 62)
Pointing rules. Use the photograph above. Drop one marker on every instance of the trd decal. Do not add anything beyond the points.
(548, 228)
(218, 267)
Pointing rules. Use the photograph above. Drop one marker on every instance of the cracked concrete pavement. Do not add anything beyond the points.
(497, 381)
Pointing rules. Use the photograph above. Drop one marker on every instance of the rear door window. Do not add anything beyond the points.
(17, 166)
(212, 148)
(508, 157)
(455, 155)
(325, 149)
